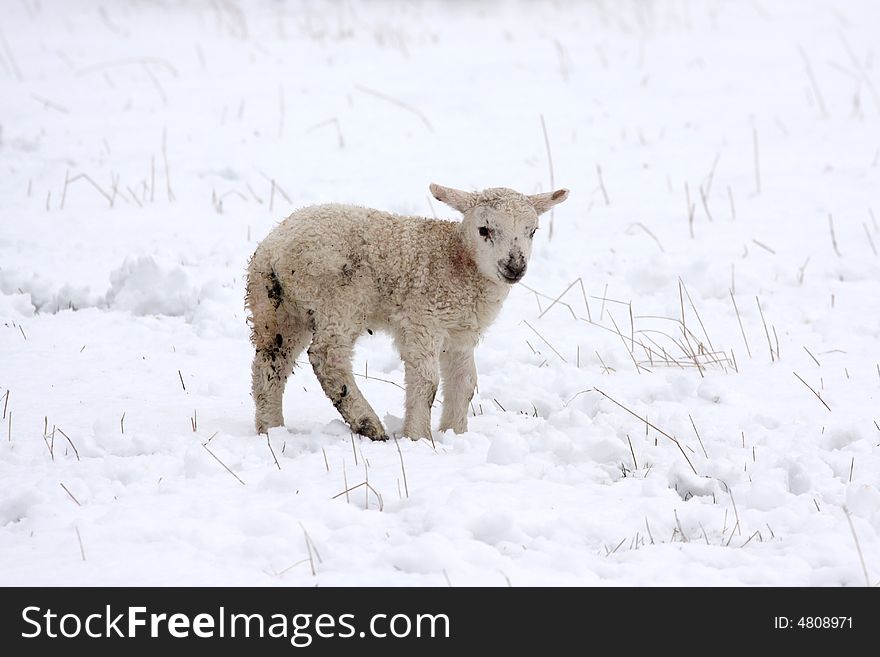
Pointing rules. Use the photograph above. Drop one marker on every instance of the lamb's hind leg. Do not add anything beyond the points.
(330, 354)
(279, 336)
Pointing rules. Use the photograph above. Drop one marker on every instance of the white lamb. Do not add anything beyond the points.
(328, 273)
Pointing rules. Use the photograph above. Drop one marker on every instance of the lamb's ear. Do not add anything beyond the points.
(454, 198)
(543, 202)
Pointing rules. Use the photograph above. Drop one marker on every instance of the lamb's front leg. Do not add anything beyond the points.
(459, 380)
(421, 378)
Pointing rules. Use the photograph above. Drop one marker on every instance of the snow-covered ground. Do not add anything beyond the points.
(186, 130)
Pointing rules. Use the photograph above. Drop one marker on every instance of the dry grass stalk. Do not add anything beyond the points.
(67, 490)
(75, 450)
(544, 340)
(639, 224)
(550, 166)
(815, 360)
(639, 368)
(818, 396)
(711, 177)
(311, 548)
(858, 547)
(152, 178)
(690, 209)
(165, 161)
(648, 527)
(705, 203)
(269, 443)
(398, 103)
(764, 246)
(369, 489)
(833, 236)
(601, 185)
(334, 122)
(633, 452)
(656, 428)
(82, 550)
(225, 467)
(696, 312)
(556, 300)
(678, 526)
(817, 93)
(698, 436)
(11, 57)
(402, 466)
(766, 331)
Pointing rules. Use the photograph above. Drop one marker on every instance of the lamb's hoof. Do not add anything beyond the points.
(370, 429)
(417, 435)
(263, 426)
(460, 427)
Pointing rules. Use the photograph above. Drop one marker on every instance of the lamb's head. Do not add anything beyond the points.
(498, 226)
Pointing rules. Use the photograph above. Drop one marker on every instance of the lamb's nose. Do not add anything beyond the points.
(514, 269)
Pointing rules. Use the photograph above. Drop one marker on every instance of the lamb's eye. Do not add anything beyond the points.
(532, 234)
(485, 232)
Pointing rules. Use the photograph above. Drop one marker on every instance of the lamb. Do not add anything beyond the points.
(328, 273)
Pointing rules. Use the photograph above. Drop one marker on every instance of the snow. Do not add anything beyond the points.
(128, 316)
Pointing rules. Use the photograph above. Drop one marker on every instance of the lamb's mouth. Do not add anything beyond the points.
(510, 279)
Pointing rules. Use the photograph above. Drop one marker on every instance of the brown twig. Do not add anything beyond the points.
(67, 490)
(818, 396)
(75, 450)
(225, 467)
(698, 436)
(739, 319)
(269, 443)
(545, 341)
(633, 452)
(653, 426)
(556, 300)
